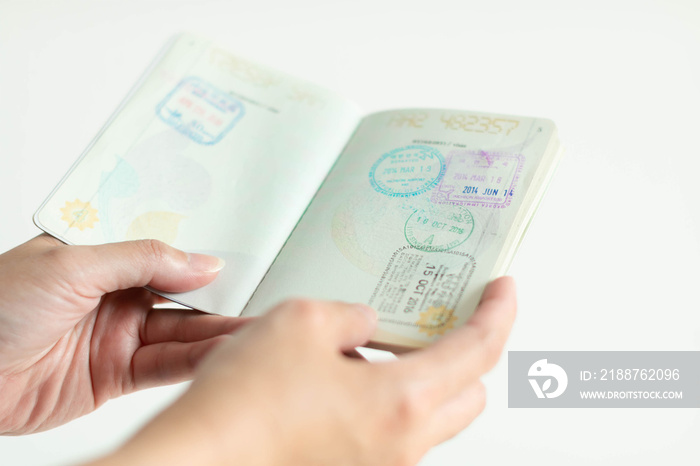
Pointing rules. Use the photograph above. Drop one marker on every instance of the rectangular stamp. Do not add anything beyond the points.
(421, 289)
(478, 178)
(200, 111)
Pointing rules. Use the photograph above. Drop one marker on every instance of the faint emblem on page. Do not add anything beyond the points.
(79, 214)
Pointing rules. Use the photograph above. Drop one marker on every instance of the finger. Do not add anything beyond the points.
(170, 362)
(454, 362)
(95, 270)
(162, 301)
(340, 325)
(44, 241)
(187, 325)
(34, 246)
(454, 416)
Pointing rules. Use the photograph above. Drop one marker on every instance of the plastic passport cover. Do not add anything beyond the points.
(214, 153)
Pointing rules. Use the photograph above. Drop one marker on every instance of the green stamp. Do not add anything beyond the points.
(439, 227)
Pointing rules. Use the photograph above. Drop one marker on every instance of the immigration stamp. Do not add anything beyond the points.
(422, 290)
(407, 171)
(200, 111)
(479, 178)
(439, 228)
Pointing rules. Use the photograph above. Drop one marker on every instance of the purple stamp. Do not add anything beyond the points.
(478, 178)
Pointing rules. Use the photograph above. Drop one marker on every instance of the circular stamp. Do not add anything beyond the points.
(439, 228)
(407, 171)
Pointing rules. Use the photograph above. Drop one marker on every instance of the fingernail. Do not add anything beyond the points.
(368, 311)
(205, 263)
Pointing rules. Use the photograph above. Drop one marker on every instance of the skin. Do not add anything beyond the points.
(75, 329)
(278, 390)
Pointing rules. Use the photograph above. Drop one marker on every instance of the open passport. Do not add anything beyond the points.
(411, 211)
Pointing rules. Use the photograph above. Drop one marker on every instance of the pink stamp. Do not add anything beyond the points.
(478, 178)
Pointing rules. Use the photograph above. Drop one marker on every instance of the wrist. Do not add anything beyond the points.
(184, 434)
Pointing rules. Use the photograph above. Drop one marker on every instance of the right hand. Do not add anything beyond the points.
(281, 392)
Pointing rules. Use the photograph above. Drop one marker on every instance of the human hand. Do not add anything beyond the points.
(281, 392)
(69, 340)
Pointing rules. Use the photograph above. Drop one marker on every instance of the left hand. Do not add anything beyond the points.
(77, 329)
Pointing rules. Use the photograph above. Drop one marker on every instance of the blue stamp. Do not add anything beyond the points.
(407, 171)
(200, 111)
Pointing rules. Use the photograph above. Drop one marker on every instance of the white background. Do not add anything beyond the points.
(610, 262)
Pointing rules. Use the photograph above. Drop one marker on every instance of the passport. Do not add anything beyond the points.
(412, 211)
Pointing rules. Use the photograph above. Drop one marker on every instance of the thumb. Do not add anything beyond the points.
(95, 270)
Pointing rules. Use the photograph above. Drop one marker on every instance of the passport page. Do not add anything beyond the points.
(210, 153)
(423, 208)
